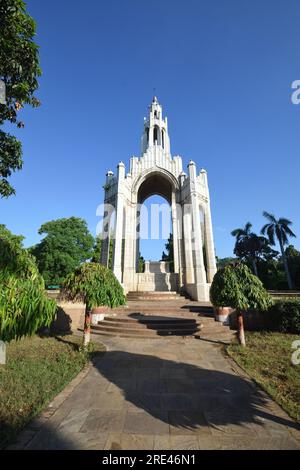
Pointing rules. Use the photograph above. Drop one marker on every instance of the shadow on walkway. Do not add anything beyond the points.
(161, 386)
(153, 395)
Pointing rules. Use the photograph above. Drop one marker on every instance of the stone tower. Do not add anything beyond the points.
(157, 172)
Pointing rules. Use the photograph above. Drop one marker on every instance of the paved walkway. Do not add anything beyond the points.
(166, 394)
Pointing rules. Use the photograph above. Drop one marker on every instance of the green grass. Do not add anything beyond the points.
(37, 369)
(267, 359)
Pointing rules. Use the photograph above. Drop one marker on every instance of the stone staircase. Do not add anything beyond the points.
(153, 315)
(159, 295)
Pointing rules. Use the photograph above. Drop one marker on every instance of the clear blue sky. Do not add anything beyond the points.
(222, 71)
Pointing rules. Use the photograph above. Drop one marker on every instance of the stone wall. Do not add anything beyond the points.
(69, 317)
(253, 321)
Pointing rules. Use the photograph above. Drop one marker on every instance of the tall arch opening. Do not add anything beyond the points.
(155, 266)
(155, 232)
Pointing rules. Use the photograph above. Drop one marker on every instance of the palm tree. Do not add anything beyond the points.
(247, 244)
(281, 230)
(240, 233)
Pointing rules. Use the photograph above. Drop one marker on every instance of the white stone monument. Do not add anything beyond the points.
(157, 172)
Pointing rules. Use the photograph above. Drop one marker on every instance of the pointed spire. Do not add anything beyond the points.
(155, 129)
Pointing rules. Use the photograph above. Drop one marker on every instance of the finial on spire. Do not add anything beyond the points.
(154, 100)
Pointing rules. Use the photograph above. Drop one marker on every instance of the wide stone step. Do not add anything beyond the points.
(146, 331)
(146, 298)
(163, 308)
(158, 314)
(148, 326)
(157, 311)
(167, 304)
(150, 320)
(156, 329)
(215, 338)
(154, 295)
(156, 319)
(139, 335)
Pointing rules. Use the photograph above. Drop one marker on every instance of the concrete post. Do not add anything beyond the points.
(106, 232)
(117, 253)
(129, 248)
(188, 253)
(209, 245)
(201, 290)
(106, 229)
(175, 232)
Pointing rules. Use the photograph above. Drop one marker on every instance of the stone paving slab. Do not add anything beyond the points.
(161, 394)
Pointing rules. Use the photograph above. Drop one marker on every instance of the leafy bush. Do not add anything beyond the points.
(24, 306)
(235, 286)
(284, 316)
(95, 285)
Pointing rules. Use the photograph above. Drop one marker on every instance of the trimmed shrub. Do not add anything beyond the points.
(235, 286)
(284, 316)
(95, 285)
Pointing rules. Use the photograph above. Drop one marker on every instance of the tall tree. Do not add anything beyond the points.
(247, 245)
(19, 70)
(66, 245)
(279, 229)
(240, 233)
(254, 249)
(96, 254)
(293, 259)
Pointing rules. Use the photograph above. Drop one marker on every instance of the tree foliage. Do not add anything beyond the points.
(66, 245)
(141, 264)
(293, 260)
(95, 285)
(284, 316)
(14, 258)
(257, 252)
(236, 287)
(96, 254)
(19, 70)
(24, 306)
(250, 248)
(221, 262)
(169, 256)
(279, 229)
